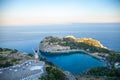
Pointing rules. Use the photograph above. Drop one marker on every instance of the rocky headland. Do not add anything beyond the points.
(69, 44)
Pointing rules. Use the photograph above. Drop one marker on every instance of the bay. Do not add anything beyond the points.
(24, 38)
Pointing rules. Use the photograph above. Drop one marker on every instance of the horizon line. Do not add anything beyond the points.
(60, 24)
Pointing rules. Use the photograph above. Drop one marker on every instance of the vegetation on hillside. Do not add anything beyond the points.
(113, 57)
(54, 73)
(73, 44)
(89, 41)
(109, 73)
(9, 57)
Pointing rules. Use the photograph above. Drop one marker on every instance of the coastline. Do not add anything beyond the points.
(51, 46)
(64, 52)
(68, 52)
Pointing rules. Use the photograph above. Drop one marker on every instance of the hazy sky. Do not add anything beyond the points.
(35, 12)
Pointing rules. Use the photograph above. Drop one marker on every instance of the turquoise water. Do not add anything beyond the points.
(26, 38)
(75, 63)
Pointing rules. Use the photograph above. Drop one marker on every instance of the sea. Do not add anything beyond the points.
(24, 38)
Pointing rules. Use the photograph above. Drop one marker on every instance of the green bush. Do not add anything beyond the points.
(1, 49)
(7, 49)
(14, 59)
(7, 64)
(3, 58)
(14, 51)
(104, 71)
(54, 74)
(31, 55)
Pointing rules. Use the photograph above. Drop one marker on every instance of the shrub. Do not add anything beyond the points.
(54, 74)
(14, 51)
(31, 55)
(7, 49)
(1, 49)
(3, 58)
(7, 64)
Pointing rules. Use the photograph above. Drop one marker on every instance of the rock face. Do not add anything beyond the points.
(68, 44)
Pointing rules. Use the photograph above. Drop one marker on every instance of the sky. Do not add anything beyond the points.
(37, 12)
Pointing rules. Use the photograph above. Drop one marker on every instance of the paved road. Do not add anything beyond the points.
(26, 71)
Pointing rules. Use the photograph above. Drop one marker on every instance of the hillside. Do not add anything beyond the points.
(89, 41)
(9, 57)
